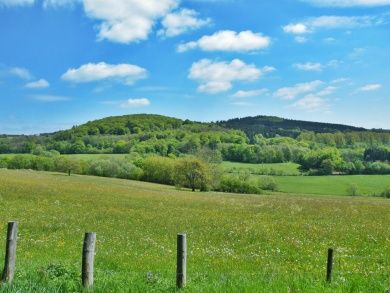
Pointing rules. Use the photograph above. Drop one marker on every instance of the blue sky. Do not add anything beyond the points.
(64, 62)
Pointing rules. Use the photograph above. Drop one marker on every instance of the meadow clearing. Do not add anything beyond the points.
(236, 243)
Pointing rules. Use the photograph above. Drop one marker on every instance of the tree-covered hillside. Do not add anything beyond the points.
(270, 126)
(319, 148)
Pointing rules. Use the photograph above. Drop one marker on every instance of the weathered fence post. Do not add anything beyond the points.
(181, 271)
(88, 260)
(329, 265)
(10, 253)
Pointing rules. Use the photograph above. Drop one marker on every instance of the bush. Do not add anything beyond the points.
(159, 170)
(353, 190)
(21, 162)
(268, 183)
(43, 164)
(193, 173)
(4, 162)
(236, 184)
(114, 168)
(386, 193)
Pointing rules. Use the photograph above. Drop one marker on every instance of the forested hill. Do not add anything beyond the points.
(270, 126)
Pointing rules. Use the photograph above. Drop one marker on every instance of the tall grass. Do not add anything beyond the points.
(236, 243)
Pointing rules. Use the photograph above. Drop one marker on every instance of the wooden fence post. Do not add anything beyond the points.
(88, 260)
(10, 253)
(329, 265)
(181, 269)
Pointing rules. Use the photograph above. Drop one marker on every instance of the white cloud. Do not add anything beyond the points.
(290, 93)
(49, 98)
(230, 41)
(10, 3)
(308, 66)
(179, 22)
(329, 40)
(370, 87)
(141, 102)
(349, 3)
(39, 84)
(340, 80)
(124, 73)
(296, 28)
(126, 21)
(313, 24)
(312, 103)
(21, 72)
(217, 77)
(249, 94)
(60, 3)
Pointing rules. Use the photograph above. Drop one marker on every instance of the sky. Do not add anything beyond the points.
(66, 62)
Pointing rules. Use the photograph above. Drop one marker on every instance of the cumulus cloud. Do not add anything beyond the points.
(217, 77)
(39, 84)
(21, 72)
(9, 3)
(312, 103)
(349, 3)
(313, 24)
(296, 28)
(249, 94)
(290, 93)
(316, 101)
(126, 21)
(179, 22)
(140, 102)
(49, 98)
(230, 41)
(124, 73)
(370, 87)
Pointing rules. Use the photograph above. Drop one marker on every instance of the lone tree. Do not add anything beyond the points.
(193, 173)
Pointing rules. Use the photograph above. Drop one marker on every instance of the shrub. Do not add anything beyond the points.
(114, 168)
(4, 162)
(43, 164)
(193, 173)
(159, 170)
(236, 184)
(386, 192)
(21, 162)
(268, 183)
(353, 190)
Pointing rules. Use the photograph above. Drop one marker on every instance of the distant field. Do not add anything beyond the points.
(285, 168)
(336, 185)
(236, 243)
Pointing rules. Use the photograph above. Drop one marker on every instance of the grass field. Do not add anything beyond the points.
(282, 168)
(236, 243)
(337, 185)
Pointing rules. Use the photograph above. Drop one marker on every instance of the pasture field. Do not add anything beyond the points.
(290, 169)
(236, 243)
(367, 185)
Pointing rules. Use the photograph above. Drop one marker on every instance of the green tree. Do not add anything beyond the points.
(193, 173)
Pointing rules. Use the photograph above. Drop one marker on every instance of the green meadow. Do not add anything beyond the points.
(236, 243)
(288, 169)
(366, 185)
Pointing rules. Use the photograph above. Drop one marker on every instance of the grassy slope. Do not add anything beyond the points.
(337, 185)
(237, 243)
